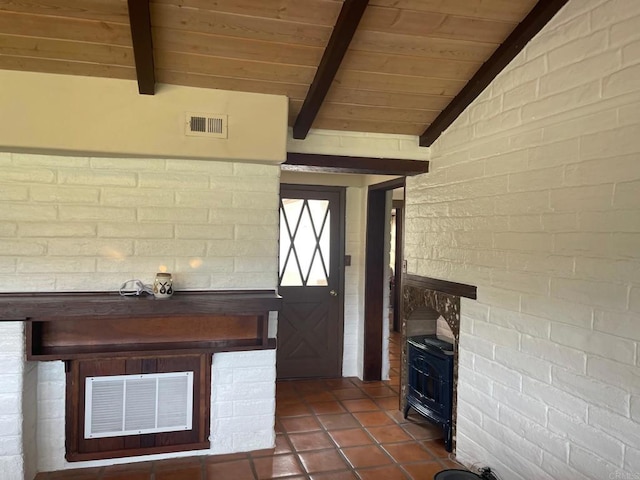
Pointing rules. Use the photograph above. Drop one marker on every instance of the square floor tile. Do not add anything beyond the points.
(186, 473)
(315, 397)
(423, 470)
(389, 434)
(127, 476)
(299, 424)
(282, 446)
(390, 472)
(76, 474)
(238, 470)
(339, 421)
(388, 403)
(292, 409)
(351, 437)
(408, 452)
(334, 384)
(360, 405)
(436, 448)
(322, 461)
(277, 466)
(373, 419)
(383, 391)
(324, 408)
(423, 431)
(341, 475)
(366, 456)
(310, 441)
(349, 393)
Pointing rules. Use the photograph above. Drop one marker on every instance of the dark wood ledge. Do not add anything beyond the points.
(52, 306)
(89, 325)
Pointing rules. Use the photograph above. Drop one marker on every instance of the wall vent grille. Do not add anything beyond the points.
(206, 125)
(122, 405)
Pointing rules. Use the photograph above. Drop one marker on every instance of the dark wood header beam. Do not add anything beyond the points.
(521, 35)
(140, 20)
(308, 162)
(444, 286)
(345, 28)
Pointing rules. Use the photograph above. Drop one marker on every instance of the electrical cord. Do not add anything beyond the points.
(134, 287)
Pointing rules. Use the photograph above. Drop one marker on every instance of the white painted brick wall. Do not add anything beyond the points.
(534, 196)
(79, 223)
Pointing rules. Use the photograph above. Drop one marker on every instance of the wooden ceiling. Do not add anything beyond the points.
(406, 62)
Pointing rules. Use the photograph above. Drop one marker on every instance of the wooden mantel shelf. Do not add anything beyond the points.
(52, 306)
(65, 326)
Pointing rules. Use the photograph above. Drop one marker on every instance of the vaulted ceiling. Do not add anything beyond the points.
(390, 66)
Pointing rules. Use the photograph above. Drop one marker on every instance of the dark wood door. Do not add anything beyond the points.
(311, 281)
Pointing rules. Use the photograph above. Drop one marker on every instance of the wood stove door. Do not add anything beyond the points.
(311, 281)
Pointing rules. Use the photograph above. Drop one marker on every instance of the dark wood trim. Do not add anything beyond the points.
(539, 16)
(52, 306)
(444, 286)
(140, 21)
(374, 276)
(389, 185)
(309, 162)
(374, 284)
(397, 273)
(343, 31)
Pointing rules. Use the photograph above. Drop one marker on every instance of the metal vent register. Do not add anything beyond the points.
(122, 405)
(206, 125)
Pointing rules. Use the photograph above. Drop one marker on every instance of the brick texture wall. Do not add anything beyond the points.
(534, 196)
(78, 224)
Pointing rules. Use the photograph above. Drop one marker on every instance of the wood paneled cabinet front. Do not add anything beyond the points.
(79, 448)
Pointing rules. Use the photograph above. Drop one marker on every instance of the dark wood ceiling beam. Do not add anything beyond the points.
(345, 28)
(140, 20)
(539, 16)
(307, 162)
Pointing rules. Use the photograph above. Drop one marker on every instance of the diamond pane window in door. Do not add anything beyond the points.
(304, 242)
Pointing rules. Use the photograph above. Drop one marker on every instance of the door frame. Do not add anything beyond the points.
(375, 278)
(342, 194)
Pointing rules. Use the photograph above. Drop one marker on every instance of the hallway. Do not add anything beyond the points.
(334, 429)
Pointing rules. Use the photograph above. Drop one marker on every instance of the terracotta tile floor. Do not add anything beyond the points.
(325, 429)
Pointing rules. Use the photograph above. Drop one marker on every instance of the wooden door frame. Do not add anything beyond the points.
(342, 202)
(397, 273)
(374, 277)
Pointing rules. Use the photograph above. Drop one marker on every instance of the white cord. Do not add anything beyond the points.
(135, 289)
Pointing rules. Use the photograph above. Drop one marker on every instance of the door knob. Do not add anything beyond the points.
(333, 293)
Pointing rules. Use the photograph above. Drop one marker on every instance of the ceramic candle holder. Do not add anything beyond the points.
(163, 286)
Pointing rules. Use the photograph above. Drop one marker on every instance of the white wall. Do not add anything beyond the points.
(103, 116)
(82, 223)
(534, 196)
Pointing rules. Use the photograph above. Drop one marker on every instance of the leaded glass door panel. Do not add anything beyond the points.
(311, 278)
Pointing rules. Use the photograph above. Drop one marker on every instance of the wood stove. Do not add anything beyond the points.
(430, 382)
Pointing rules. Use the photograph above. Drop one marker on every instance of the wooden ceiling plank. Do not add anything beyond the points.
(66, 67)
(525, 31)
(407, 65)
(437, 25)
(231, 25)
(397, 83)
(312, 12)
(416, 46)
(387, 99)
(61, 28)
(19, 46)
(234, 84)
(140, 20)
(306, 162)
(506, 10)
(378, 114)
(112, 11)
(180, 41)
(229, 67)
(346, 25)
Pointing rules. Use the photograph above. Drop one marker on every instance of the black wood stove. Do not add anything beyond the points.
(430, 382)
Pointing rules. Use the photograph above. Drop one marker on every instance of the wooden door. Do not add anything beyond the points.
(311, 281)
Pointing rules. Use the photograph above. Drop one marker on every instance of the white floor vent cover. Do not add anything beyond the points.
(137, 404)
